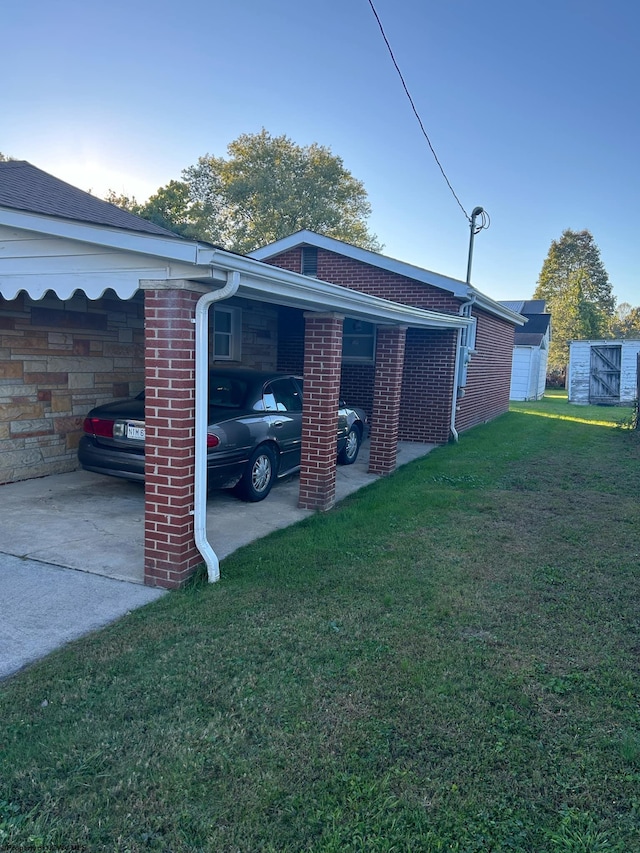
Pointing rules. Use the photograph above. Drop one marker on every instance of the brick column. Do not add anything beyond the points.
(170, 554)
(385, 418)
(322, 363)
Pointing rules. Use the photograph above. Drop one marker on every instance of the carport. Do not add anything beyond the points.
(57, 244)
(95, 524)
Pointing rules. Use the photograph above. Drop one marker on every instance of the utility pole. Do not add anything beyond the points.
(475, 229)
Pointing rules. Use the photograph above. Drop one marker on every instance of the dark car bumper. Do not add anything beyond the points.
(222, 473)
(104, 460)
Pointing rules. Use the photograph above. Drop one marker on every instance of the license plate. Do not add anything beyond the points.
(135, 432)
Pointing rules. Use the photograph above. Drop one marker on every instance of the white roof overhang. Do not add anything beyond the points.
(459, 289)
(64, 256)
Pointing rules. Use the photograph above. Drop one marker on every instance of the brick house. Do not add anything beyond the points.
(96, 303)
(447, 386)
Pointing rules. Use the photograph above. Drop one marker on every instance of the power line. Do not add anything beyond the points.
(416, 113)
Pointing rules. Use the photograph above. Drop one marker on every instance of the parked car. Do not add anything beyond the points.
(254, 433)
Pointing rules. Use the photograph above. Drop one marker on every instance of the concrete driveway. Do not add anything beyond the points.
(95, 525)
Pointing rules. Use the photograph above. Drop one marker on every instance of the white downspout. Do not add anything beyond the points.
(202, 410)
(454, 400)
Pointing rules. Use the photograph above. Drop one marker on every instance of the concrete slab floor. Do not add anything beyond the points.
(95, 523)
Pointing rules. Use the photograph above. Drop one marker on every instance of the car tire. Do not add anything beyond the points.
(349, 452)
(259, 475)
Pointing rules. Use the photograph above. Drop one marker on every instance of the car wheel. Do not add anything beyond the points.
(259, 475)
(349, 452)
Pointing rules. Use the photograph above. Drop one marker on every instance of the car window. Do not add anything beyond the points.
(282, 395)
(227, 392)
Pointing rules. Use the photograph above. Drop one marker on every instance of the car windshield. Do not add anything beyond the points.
(227, 392)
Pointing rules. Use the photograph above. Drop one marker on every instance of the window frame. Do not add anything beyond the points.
(234, 335)
(368, 333)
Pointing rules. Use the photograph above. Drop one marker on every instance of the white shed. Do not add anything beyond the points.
(530, 350)
(603, 372)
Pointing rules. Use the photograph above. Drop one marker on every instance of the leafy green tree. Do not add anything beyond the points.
(170, 207)
(576, 287)
(126, 202)
(268, 188)
(625, 322)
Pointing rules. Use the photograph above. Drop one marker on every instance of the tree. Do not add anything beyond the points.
(579, 297)
(124, 201)
(267, 189)
(625, 322)
(170, 207)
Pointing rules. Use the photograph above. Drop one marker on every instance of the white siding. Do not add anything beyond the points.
(580, 369)
(543, 358)
(528, 373)
(36, 264)
(521, 373)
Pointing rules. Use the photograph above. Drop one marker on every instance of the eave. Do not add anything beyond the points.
(179, 259)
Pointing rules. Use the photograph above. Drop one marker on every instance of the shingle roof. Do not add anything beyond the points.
(525, 306)
(24, 187)
(537, 323)
(528, 339)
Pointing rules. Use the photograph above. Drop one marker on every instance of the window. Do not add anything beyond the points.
(358, 341)
(227, 392)
(226, 333)
(282, 395)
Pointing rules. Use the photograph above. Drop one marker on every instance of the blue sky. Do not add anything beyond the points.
(532, 109)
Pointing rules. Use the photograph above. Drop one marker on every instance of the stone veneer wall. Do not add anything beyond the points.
(58, 359)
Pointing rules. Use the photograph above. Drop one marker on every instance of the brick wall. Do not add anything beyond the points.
(356, 385)
(367, 278)
(259, 334)
(427, 385)
(489, 374)
(290, 357)
(429, 356)
(58, 359)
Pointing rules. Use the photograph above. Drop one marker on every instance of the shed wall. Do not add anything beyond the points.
(580, 370)
(521, 370)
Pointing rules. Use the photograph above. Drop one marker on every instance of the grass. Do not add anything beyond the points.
(448, 661)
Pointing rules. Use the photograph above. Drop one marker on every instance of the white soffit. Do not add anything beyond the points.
(42, 254)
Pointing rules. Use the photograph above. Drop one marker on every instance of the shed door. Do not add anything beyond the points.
(604, 378)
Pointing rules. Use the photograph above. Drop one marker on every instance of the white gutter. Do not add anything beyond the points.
(454, 401)
(202, 410)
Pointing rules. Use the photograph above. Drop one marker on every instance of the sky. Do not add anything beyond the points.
(531, 108)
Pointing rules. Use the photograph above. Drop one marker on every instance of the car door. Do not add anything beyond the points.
(283, 402)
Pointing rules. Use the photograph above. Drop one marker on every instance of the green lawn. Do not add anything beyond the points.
(448, 661)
